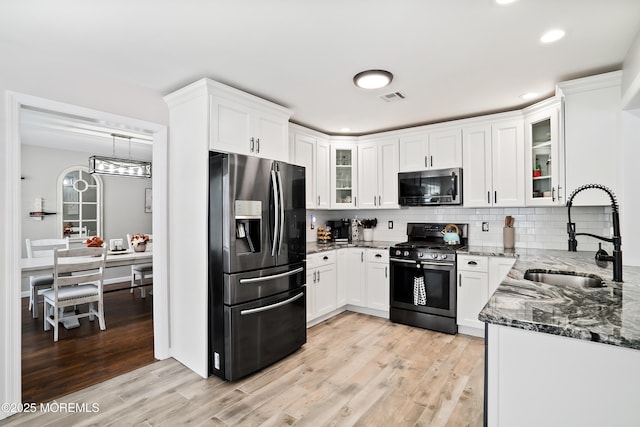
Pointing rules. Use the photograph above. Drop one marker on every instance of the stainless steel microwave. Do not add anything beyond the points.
(429, 188)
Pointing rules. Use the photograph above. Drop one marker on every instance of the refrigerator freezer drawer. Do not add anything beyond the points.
(262, 332)
(253, 285)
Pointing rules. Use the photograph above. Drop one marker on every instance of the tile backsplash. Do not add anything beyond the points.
(540, 228)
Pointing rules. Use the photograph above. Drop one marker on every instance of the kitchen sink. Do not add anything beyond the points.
(565, 278)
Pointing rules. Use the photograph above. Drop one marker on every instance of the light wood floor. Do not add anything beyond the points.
(354, 370)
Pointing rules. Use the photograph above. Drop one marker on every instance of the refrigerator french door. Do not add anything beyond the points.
(256, 263)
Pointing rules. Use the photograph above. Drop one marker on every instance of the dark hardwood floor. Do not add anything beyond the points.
(86, 355)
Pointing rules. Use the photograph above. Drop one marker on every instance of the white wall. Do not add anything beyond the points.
(544, 228)
(630, 200)
(123, 199)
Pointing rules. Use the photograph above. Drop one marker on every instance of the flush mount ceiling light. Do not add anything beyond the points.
(552, 36)
(529, 95)
(121, 167)
(372, 79)
(505, 2)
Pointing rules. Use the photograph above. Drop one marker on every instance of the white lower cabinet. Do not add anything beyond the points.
(478, 278)
(321, 284)
(377, 279)
(355, 271)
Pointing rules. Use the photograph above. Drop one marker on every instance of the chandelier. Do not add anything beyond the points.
(120, 167)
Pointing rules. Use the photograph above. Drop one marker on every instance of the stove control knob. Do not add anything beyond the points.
(443, 256)
(406, 253)
(433, 256)
(420, 254)
(398, 252)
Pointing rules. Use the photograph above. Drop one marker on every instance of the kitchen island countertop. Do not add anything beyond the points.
(609, 315)
(314, 247)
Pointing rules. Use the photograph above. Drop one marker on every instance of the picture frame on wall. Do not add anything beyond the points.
(147, 200)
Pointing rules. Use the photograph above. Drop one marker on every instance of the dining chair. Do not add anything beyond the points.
(78, 278)
(38, 284)
(141, 271)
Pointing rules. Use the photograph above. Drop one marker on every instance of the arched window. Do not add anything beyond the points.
(80, 203)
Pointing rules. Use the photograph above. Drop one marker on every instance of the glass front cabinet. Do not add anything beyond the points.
(343, 175)
(545, 185)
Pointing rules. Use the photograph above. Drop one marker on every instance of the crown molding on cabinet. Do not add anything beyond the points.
(584, 84)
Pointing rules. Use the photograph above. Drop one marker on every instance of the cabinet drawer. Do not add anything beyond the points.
(320, 259)
(473, 263)
(378, 255)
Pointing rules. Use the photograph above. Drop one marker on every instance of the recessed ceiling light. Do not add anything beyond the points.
(345, 129)
(505, 2)
(552, 36)
(529, 95)
(373, 79)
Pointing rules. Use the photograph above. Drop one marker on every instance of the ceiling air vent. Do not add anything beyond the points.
(392, 97)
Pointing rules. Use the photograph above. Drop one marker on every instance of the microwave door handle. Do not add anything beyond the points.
(281, 192)
(276, 211)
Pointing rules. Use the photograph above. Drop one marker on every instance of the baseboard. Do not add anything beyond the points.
(112, 281)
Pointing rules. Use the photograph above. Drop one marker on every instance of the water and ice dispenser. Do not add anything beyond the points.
(248, 216)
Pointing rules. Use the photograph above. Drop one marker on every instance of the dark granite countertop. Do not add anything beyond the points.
(488, 251)
(314, 247)
(609, 315)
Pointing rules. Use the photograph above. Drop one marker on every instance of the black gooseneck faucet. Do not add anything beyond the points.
(601, 255)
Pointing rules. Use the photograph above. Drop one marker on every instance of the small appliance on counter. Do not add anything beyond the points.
(340, 230)
(324, 234)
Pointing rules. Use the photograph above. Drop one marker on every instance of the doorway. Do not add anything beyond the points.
(13, 307)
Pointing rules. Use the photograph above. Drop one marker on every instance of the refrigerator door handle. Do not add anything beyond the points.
(281, 191)
(271, 277)
(271, 306)
(276, 210)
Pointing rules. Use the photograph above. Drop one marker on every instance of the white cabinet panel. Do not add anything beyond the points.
(476, 178)
(592, 117)
(498, 269)
(377, 283)
(507, 149)
(494, 164)
(445, 149)
(323, 174)
(473, 294)
(368, 175)
(231, 126)
(355, 274)
(388, 174)
(325, 292)
(439, 149)
(271, 137)
(305, 155)
(342, 280)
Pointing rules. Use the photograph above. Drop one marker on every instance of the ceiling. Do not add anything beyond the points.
(450, 59)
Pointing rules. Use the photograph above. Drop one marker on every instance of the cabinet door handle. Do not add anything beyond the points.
(378, 255)
(318, 276)
(318, 200)
(559, 188)
(472, 263)
(488, 197)
(257, 145)
(460, 280)
(361, 256)
(379, 200)
(325, 257)
(251, 145)
(553, 194)
(495, 197)
(425, 162)
(385, 272)
(314, 277)
(431, 160)
(374, 201)
(355, 200)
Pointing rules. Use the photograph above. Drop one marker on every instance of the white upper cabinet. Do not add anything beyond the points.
(592, 116)
(245, 124)
(493, 166)
(312, 151)
(438, 149)
(378, 174)
(344, 175)
(544, 163)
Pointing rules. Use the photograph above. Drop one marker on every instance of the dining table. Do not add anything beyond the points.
(44, 265)
(41, 266)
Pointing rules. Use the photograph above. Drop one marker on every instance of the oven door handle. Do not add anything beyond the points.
(405, 261)
(270, 307)
(439, 264)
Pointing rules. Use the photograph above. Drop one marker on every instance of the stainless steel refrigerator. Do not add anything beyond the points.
(257, 250)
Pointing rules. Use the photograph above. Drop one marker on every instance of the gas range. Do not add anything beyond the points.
(425, 242)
